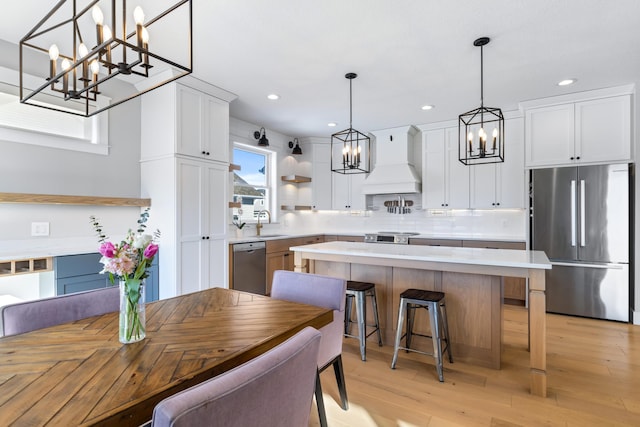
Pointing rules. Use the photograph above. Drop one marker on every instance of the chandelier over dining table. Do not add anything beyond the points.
(102, 53)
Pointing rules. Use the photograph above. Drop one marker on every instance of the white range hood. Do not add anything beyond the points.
(394, 171)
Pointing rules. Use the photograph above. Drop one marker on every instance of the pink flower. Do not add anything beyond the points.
(150, 251)
(107, 250)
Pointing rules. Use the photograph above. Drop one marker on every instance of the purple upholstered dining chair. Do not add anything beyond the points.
(273, 390)
(327, 292)
(31, 315)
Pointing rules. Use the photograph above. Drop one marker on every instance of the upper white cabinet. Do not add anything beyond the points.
(186, 120)
(596, 130)
(347, 191)
(501, 185)
(445, 180)
(203, 125)
(321, 191)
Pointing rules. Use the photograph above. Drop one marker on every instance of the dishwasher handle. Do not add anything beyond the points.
(249, 246)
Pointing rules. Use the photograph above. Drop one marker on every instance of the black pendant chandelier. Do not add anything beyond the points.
(101, 53)
(350, 148)
(475, 146)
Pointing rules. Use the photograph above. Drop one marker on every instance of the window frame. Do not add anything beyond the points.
(270, 179)
(96, 127)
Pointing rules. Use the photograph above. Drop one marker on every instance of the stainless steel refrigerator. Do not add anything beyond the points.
(580, 219)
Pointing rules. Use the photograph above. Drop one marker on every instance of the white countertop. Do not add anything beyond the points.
(472, 256)
(276, 236)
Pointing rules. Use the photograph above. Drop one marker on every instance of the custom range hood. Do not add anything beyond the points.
(394, 171)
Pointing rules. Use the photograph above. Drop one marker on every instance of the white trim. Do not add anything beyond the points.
(578, 97)
(96, 143)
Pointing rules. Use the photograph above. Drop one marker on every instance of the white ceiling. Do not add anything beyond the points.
(406, 53)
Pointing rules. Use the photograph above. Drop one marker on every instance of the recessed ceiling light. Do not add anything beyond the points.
(567, 82)
(428, 107)
(273, 96)
(332, 124)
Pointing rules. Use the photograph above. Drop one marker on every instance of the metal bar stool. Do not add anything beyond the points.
(359, 291)
(410, 300)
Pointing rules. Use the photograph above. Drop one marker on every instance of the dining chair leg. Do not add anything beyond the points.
(342, 387)
(322, 415)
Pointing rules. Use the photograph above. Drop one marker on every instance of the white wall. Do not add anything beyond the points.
(241, 131)
(41, 170)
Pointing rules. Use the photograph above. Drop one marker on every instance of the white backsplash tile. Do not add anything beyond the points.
(503, 224)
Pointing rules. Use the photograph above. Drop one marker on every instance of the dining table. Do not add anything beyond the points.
(79, 374)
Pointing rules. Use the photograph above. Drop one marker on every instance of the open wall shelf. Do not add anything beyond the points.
(53, 199)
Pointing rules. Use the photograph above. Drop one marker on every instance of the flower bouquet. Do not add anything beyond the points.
(128, 261)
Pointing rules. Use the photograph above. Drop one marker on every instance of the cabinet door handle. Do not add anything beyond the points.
(578, 158)
(498, 204)
(204, 152)
(286, 254)
(571, 158)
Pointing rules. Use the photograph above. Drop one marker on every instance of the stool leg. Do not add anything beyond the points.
(361, 311)
(401, 314)
(445, 326)
(435, 337)
(347, 315)
(411, 315)
(374, 301)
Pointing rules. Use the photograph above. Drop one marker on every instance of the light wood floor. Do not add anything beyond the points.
(593, 377)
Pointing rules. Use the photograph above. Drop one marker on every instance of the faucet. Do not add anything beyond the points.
(258, 225)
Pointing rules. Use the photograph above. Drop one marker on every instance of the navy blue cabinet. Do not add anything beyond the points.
(77, 273)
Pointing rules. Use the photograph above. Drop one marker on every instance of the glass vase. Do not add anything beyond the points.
(132, 312)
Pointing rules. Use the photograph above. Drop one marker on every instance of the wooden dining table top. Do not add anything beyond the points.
(78, 373)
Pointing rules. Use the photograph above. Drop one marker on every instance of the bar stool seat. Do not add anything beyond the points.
(434, 303)
(359, 291)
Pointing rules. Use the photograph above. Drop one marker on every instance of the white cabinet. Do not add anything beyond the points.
(589, 131)
(189, 191)
(321, 191)
(347, 191)
(501, 185)
(203, 125)
(603, 130)
(187, 121)
(550, 135)
(201, 224)
(445, 180)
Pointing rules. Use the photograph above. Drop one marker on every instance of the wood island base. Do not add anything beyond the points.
(473, 292)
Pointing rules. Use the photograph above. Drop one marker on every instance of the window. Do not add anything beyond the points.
(253, 183)
(39, 126)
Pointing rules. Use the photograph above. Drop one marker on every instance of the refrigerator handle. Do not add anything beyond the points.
(573, 212)
(583, 234)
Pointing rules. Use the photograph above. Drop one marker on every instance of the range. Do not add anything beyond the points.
(397, 237)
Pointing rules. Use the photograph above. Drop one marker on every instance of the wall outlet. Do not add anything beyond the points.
(39, 228)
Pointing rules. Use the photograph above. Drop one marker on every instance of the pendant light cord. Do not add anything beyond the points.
(481, 77)
(350, 103)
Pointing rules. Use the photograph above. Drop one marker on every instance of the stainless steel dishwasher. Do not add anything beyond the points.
(249, 267)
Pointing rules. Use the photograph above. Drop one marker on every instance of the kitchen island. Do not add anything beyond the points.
(471, 278)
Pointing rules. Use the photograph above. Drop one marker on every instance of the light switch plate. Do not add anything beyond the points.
(39, 228)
